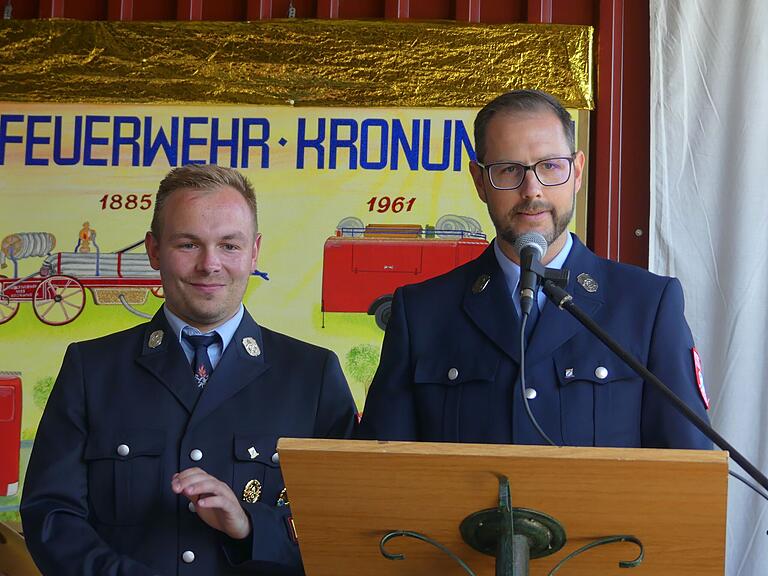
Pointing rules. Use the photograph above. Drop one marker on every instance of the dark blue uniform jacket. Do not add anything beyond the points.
(88, 510)
(450, 361)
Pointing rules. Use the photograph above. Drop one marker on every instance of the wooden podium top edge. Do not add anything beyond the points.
(501, 450)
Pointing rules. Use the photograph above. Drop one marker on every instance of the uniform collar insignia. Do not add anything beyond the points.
(481, 283)
(587, 282)
(251, 346)
(156, 338)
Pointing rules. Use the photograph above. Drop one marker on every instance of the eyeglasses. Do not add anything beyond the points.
(510, 175)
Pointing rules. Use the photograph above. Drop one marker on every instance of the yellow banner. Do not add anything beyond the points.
(352, 203)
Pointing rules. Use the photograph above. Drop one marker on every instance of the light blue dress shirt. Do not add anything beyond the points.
(226, 332)
(512, 272)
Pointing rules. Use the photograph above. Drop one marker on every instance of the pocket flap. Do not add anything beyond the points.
(452, 371)
(262, 449)
(594, 369)
(125, 444)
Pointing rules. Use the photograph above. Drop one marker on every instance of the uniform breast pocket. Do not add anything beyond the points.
(600, 399)
(124, 475)
(256, 474)
(452, 393)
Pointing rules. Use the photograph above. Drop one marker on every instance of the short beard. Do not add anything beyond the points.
(507, 232)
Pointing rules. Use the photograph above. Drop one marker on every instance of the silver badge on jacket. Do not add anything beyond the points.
(587, 282)
(251, 346)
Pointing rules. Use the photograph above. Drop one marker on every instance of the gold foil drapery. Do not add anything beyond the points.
(296, 62)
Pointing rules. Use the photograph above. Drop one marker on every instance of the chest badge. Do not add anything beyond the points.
(282, 500)
(156, 338)
(252, 491)
(481, 284)
(251, 346)
(587, 282)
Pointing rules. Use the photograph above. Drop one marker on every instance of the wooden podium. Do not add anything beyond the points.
(14, 557)
(346, 494)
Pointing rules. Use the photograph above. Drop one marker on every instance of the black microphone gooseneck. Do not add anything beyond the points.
(530, 247)
(564, 301)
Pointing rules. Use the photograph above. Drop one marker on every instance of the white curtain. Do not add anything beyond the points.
(709, 221)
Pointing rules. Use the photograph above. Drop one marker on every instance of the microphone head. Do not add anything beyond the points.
(532, 240)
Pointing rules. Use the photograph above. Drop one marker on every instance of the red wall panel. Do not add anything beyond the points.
(354, 9)
(574, 11)
(434, 10)
(503, 12)
(304, 8)
(24, 9)
(635, 158)
(154, 9)
(84, 9)
(225, 10)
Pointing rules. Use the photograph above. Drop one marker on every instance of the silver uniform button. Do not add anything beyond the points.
(453, 374)
(601, 372)
(188, 556)
(531, 393)
(191, 507)
(123, 450)
(275, 458)
(196, 455)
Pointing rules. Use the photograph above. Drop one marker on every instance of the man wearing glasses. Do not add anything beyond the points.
(449, 368)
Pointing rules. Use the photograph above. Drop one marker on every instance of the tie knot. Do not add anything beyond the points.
(201, 340)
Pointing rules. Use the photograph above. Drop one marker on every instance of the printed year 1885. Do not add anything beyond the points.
(383, 204)
(126, 202)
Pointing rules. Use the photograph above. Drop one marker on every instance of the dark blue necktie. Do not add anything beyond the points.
(533, 317)
(201, 363)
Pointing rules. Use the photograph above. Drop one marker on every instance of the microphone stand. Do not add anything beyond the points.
(564, 301)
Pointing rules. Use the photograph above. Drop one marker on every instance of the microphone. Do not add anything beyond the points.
(531, 247)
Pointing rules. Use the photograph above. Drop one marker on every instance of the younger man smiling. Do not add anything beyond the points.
(156, 451)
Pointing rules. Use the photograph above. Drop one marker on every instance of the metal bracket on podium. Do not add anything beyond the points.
(512, 535)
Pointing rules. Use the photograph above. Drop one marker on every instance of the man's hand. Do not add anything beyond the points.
(214, 501)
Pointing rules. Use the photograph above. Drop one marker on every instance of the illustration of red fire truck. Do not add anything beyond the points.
(362, 265)
(57, 289)
(10, 432)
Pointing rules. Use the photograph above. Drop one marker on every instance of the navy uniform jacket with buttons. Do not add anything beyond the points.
(442, 324)
(87, 510)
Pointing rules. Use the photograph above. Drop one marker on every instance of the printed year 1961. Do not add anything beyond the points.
(383, 204)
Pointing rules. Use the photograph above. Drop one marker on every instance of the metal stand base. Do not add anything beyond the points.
(512, 535)
(544, 534)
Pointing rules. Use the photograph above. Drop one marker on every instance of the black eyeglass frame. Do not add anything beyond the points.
(531, 167)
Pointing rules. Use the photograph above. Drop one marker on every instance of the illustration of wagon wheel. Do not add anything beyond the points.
(8, 308)
(157, 291)
(58, 300)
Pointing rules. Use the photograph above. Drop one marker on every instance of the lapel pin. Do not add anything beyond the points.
(569, 372)
(252, 453)
(155, 339)
(251, 346)
(481, 284)
(587, 282)
(252, 491)
(282, 500)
